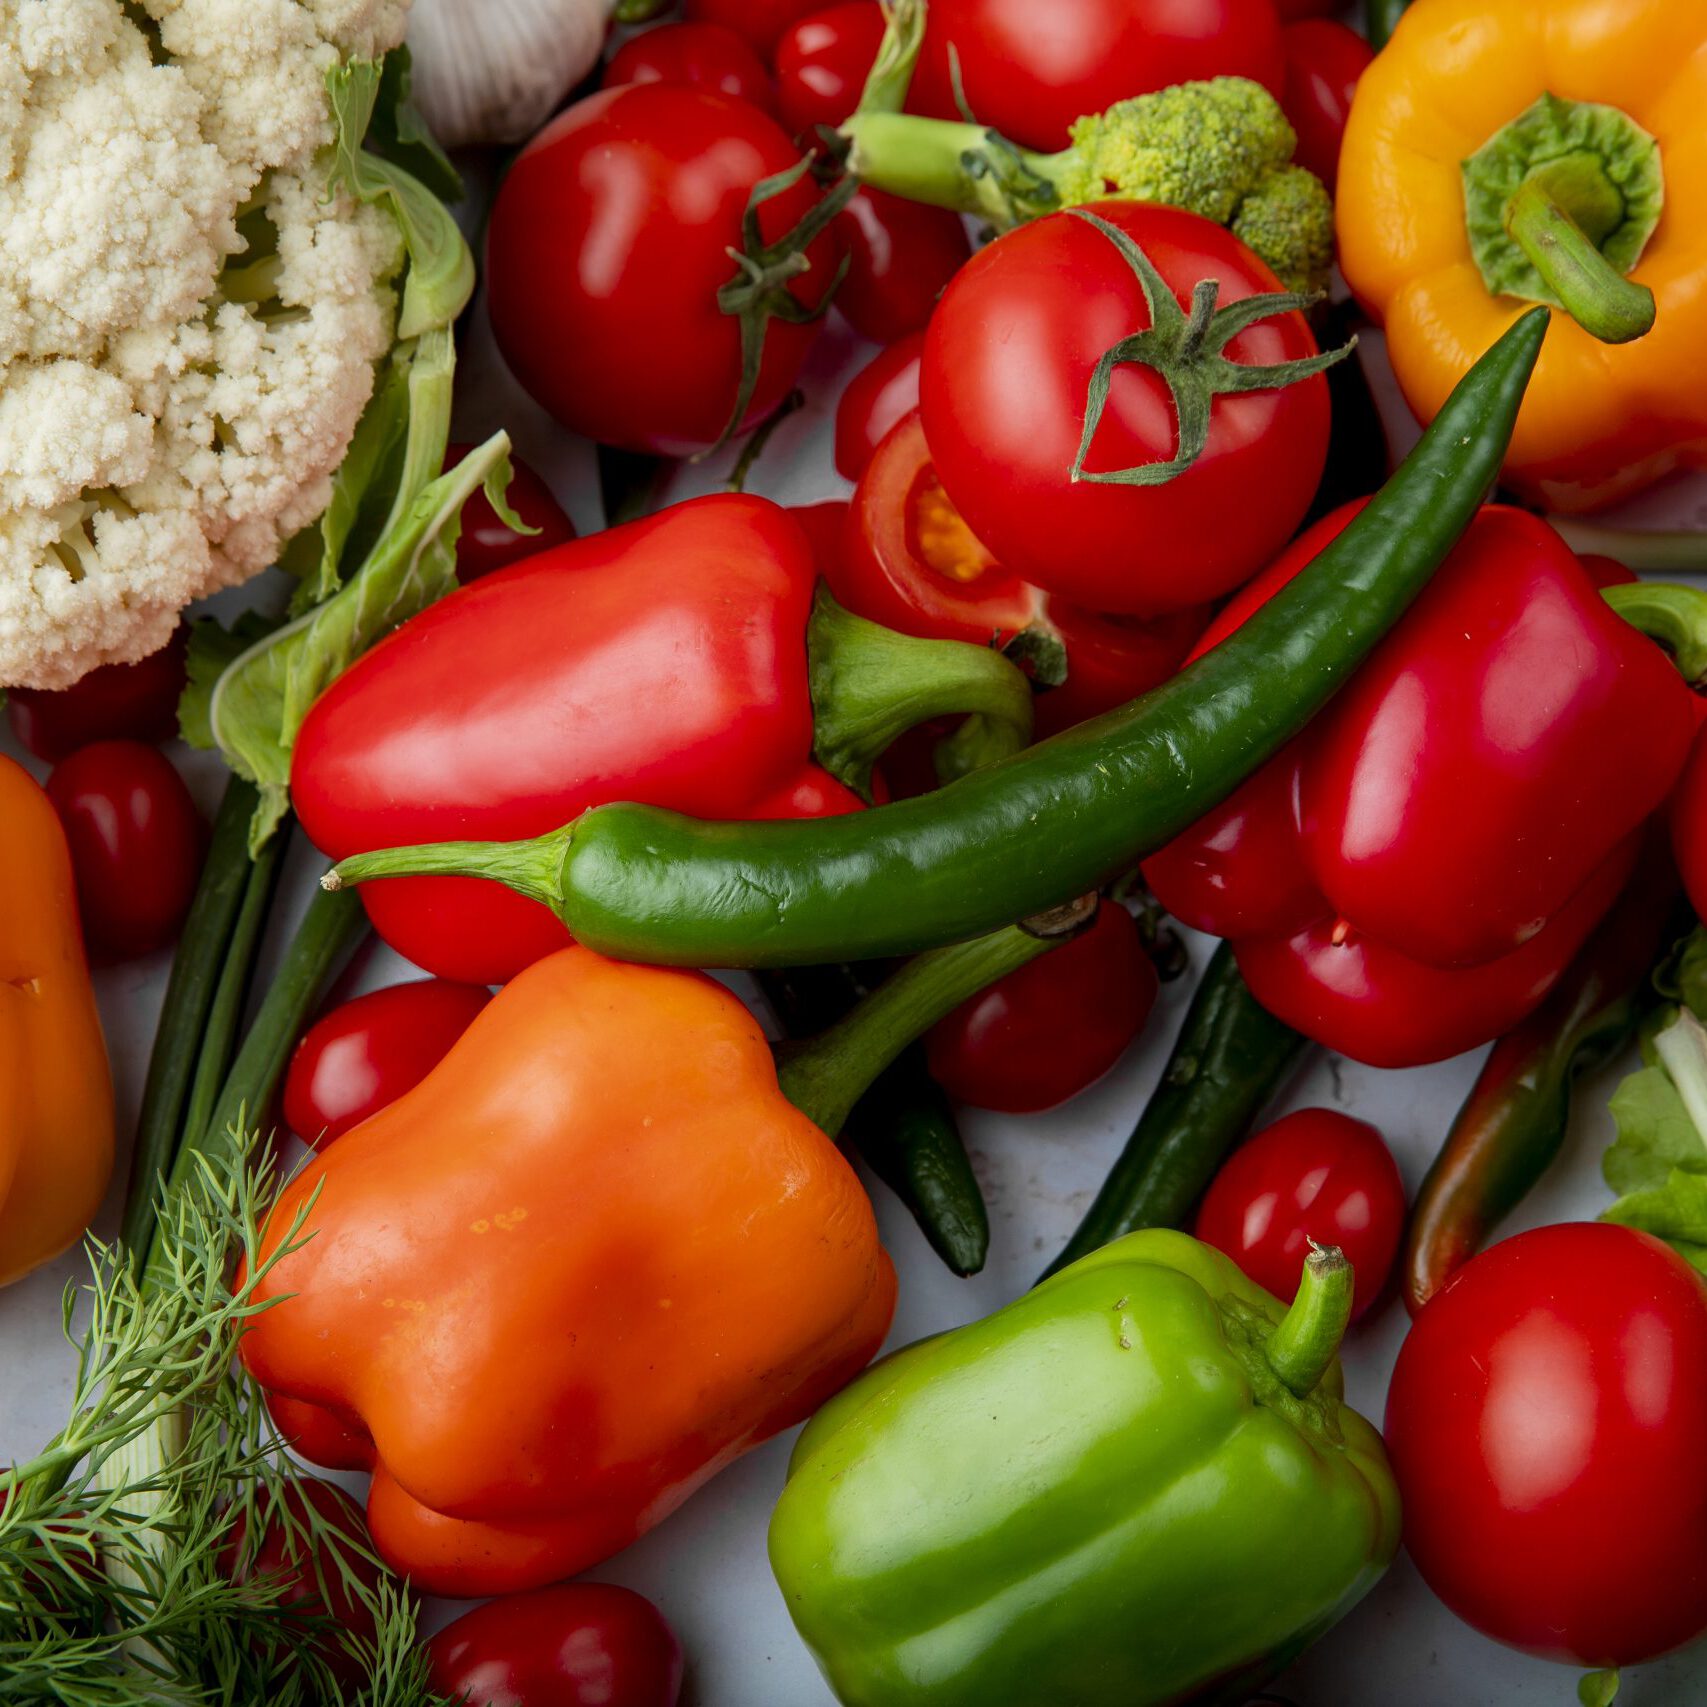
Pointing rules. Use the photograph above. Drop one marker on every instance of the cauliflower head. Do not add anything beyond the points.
(189, 322)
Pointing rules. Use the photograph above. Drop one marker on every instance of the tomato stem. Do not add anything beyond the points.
(827, 1076)
(1308, 1339)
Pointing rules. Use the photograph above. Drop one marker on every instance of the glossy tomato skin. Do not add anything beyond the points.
(607, 249)
(1112, 660)
(136, 702)
(822, 63)
(1545, 1422)
(1031, 82)
(366, 1053)
(883, 392)
(315, 1579)
(1324, 60)
(1008, 358)
(901, 256)
(760, 22)
(136, 844)
(575, 1645)
(488, 543)
(703, 56)
(1046, 1032)
(1315, 1175)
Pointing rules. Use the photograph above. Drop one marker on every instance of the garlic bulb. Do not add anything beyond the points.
(491, 71)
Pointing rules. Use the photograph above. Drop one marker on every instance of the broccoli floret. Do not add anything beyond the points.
(1203, 146)
(1288, 219)
(1221, 148)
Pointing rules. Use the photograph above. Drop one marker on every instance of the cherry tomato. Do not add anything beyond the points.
(366, 1053)
(1031, 83)
(1112, 659)
(822, 63)
(319, 1603)
(760, 21)
(823, 524)
(706, 56)
(1545, 1422)
(901, 256)
(138, 702)
(608, 246)
(1045, 1032)
(576, 1645)
(1008, 360)
(488, 542)
(884, 391)
(136, 844)
(1315, 1175)
(1324, 60)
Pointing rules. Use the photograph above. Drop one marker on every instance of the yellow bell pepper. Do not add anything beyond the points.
(56, 1093)
(1465, 193)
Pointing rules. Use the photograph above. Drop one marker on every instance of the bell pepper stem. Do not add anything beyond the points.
(1594, 293)
(825, 1077)
(871, 685)
(1308, 1339)
(1674, 615)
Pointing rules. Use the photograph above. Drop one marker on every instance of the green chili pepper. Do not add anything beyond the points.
(1058, 819)
(1381, 18)
(1512, 1124)
(1229, 1059)
(1136, 1486)
(903, 1126)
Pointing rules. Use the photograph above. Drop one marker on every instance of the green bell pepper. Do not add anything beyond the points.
(1138, 1484)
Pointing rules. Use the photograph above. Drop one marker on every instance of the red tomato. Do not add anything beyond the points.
(366, 1053)
(1031, 82)
(1315, 1175)
(706, 56)
(488, 542)
(1045, 1032)
(1605, 571)
(884, 391)
(1112, 659)
(138, 702)
(1545, 1422)
(576, 1645)
(822, 63)
(136, 844)
(901, 255)
(608, 246)
(1324, 60)
(823, 524)
(760, 21)
(314, 1579)
(1008, 360)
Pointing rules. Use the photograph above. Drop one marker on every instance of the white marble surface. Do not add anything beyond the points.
(706, 1566)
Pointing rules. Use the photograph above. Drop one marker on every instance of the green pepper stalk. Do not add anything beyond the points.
(903, 1127)
(1059, 819)
(1560, 204)
(1221, 148)
(1227, 1064)
(1674, 615)
(1512, 1124)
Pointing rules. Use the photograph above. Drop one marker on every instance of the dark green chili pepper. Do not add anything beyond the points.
(1229, 1059)
(1380, 19)
(1060, 818)
(903, 1126)
(1512, 1124)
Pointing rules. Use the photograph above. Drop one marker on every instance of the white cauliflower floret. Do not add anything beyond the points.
(188, 323)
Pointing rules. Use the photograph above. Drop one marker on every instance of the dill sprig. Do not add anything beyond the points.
(128, 1545)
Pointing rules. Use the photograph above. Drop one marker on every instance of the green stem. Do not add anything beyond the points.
(760, 436)
(891, 75)
(1675, 616)
(1593, 292)
(1637, 548)
(329, 930)
(827, 1076)
(533, 869)
(191, 994)
(871, 685)
(1308, 1339)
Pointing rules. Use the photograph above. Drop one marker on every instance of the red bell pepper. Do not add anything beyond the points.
(1412, 876)
(681, 661)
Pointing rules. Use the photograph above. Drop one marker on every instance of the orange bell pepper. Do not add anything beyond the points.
(591, 1259)
(56, 1093)
(1448, 126)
